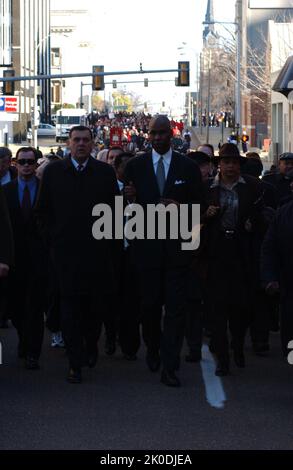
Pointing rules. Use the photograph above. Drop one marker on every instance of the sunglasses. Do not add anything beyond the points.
(24, 161)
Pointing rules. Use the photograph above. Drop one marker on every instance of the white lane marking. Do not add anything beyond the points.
(215, 393)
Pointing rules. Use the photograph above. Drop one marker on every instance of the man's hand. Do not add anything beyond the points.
(130, 192)
(272, 288)
(167, 202)
(212, 211)
(4, 270)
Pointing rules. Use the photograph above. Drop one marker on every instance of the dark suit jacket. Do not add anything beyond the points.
(250, 207)
(277, 255)
(30, 252)
(6, 238)
(64, 211)
(140, 171)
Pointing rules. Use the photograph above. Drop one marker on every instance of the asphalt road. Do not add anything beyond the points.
(123, 406)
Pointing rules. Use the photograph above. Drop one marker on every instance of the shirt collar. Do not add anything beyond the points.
(76, 164)
(217, 182)
(6, 178)
(167, 156)
(31, 183)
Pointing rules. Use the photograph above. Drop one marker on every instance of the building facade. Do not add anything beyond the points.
(257, 63)
(70, 38)
(25, 35)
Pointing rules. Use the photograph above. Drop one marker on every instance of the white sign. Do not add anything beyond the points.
(8, 117)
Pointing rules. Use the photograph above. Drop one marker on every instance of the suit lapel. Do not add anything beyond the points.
(151, 176)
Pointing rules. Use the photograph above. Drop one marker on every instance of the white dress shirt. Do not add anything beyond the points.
(76, 164)
(5, 179)
(167, 157)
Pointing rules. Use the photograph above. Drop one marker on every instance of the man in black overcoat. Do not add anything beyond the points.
(69, 191)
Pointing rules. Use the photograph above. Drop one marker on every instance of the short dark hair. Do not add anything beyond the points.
(120, 157)
(5, 152)
(27, 150)
(81, 129)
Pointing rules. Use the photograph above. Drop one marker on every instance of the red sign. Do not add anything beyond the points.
(116, 136)
(11, 104)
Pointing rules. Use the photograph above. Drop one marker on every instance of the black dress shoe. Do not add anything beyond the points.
(110, 347)
(193, 357)
(31, 363)
(222, 370)
(74, 376)
(170, 379)
(239, 359)
(153, 361)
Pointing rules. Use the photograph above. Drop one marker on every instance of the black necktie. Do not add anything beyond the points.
(26, 205)
(80, 168)
(161, 176)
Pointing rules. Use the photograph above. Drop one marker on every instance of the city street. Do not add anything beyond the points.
(121, 405)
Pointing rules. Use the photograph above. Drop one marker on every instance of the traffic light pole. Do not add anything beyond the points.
(90, 74)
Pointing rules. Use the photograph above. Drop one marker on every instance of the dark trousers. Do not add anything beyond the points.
(4, 305)
(229, 289)
(81, 320)
(27, 314)
(164, 287)
(260, 324)
(236, 318)
(130, 318)
(286, 321)
(193, 327)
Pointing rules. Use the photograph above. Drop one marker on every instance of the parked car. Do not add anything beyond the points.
(46, 130)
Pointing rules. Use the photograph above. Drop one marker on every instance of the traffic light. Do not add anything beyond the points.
(114, 83)
(183, 74)
(245, 138)
(98, 81)
(8, 87)
(146, 82)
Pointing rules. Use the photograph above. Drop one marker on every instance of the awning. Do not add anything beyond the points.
(284, 82)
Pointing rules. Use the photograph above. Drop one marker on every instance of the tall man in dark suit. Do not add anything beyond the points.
(70, 189)
(162, 176)
(27, 282)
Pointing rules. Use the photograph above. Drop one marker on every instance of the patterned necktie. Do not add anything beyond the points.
(26, 205)
(80, 168)
(161, 177)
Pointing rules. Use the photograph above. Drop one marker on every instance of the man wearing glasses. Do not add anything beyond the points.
(27, 281)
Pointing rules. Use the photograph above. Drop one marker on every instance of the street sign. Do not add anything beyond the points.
(8, 117)
(9, 104)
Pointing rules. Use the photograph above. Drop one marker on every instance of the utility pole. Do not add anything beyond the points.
(238, 65)
(209, 98)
